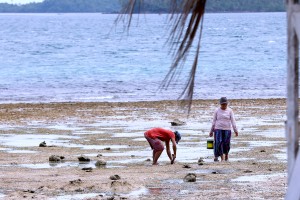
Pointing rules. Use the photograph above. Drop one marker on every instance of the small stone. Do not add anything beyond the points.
(62, 157)
(247, 171)
(177, 122)
(54, 158)
(254, 163)
(186, 166)
(148, 160)
(270, 169)
(78, 181)
(215, 172)
(99, 155)
(115, 177)
(263, 151)
(132, 156)
(107, 148)
(43, 144)
(201, 163)
(100, 163)
(79, 190)
(111, 198)
(190, 177)
(84, 159)
(87, 169)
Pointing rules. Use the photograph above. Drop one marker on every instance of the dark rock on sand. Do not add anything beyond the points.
(200, 161)
(177, 122)
(186, 166)
(99, 155)
(111, 198)
(107, 148)
(87, 169)
(263, 151)
(84, 159)
(190, 177)
(78, 181)
(215, 172)
(55, 158)
(100, 163)
(115, 177)
(43, 144)
(148, 160)
(247, 171)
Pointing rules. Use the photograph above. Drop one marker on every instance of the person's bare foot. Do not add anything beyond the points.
(216, 159)
(155, 163)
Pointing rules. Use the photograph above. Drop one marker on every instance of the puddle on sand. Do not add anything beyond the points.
(76, 196)
(30, 140)
(210, 171)
(65, 164)
(19, 151)
(257, 178)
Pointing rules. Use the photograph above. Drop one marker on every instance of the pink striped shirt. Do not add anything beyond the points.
(223, 119)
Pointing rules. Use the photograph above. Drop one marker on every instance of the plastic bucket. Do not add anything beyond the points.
(210, 143)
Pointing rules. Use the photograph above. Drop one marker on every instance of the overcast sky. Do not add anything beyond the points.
(19, 1)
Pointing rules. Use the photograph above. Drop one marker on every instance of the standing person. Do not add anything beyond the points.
(221, 127)
(156, 136)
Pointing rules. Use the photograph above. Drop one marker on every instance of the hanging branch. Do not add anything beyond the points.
(186, 25)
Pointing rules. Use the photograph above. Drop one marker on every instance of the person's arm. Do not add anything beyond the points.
(233, 123)
(174, 150)
(213, 124)
(168, 149)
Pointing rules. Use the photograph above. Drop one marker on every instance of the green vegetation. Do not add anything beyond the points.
(148, 6)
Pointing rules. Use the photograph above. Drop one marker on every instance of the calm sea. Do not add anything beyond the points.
(85, 57)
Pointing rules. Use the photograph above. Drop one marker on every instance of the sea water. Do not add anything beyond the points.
(86, 57)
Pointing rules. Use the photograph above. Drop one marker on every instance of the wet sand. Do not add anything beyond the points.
(256, 168)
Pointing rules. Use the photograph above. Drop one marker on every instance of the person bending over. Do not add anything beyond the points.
(156, 137)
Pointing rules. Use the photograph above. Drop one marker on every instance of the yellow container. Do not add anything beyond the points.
(210, 143)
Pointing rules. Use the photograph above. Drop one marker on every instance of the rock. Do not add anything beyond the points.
(107, 148)
(29, 191)
(87, 169)
(78, 181)
(148, 160)
(111, 198)
(79, 190)
(54, 158)
(100, 163)
(263, 151)
(99, 155)
(186, 166)
(177, 122)
(132, 156)
(190, 177)
(215, 172)
(84, 159)
(200, 161)
(247, 171)
(115, 177)
(43, 144)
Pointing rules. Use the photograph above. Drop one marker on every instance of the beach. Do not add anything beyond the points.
(114, 132)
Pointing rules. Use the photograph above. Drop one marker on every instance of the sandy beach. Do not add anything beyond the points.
(113, 132)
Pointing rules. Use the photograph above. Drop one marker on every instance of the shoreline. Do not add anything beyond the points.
(257, 166)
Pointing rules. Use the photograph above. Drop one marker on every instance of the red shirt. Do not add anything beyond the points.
(160, 133)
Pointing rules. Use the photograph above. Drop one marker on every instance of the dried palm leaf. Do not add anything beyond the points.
(187, 18)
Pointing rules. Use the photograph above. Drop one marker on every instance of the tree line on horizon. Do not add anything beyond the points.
(148, 6)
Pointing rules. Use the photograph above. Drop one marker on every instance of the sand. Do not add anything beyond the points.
(257, 167)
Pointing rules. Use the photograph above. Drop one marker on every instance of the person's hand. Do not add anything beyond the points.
(173, 159)
(211, 134)
(236, 134)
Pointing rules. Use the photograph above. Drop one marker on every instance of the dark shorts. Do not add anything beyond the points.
(156, 144)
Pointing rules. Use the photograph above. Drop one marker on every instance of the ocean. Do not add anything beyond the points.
(87, 58)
